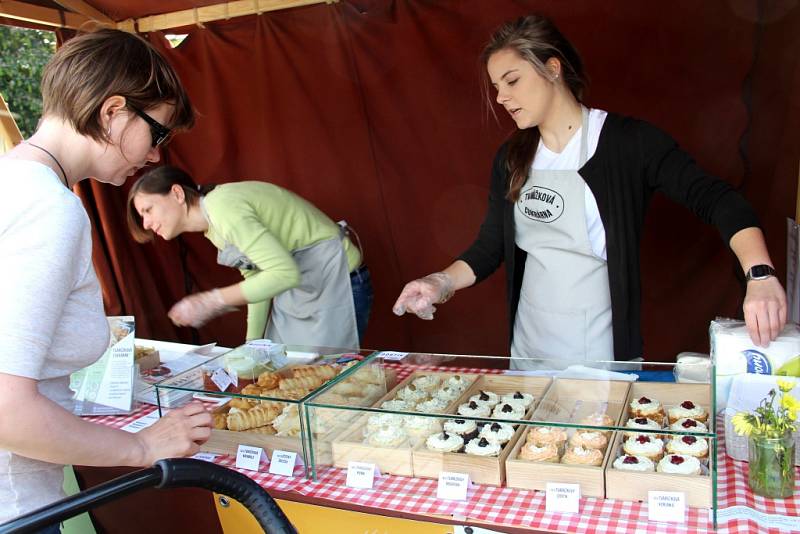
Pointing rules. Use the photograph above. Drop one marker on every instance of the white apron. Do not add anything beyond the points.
(564, 311)
(319, 311)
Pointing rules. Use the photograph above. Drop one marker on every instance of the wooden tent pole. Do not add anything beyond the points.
(42, 15)
(10, 135)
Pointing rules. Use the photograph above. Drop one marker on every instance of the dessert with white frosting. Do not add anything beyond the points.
(482, 447)
(505, 410)
(640, 423)
(535, 453)
(582, 456)
(518, 398)
(487, 398)
(688, 425)
(497, 432)
(687, 409)
(473, 409)
(466, 428)
(444, 442)
(434, 405)
(688, 445)
(647, 407)
(628, 462)
(679, 464)
(648, 445)
(427, 383)
(387, 436)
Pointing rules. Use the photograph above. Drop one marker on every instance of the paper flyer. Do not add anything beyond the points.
(106, 386)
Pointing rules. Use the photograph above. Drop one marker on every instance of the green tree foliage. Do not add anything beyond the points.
(23, 55)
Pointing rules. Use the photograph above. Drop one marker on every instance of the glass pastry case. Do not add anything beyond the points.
(256, 391)
(619, 430)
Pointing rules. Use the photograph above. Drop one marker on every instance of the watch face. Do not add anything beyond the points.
(758, 272)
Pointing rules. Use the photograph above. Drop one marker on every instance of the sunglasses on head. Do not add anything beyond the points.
(158, 131)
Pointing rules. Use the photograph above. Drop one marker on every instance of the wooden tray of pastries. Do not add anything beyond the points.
(545, 453)
(476, 448)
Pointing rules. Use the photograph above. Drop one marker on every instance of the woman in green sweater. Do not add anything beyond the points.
(292, 256)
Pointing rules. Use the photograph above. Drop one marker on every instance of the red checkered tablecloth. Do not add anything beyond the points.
(520, 508)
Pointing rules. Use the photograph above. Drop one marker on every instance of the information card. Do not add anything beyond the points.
(453, 486)
(362, 475)
(283, 463)
(250, 458)
(667, 506)
(563, 498)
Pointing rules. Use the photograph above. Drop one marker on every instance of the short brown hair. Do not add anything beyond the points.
(159, 181)
(91, 67)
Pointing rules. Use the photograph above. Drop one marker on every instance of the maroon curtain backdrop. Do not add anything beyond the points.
(372, 110)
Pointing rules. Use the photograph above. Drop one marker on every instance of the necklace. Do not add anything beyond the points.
(52, 157)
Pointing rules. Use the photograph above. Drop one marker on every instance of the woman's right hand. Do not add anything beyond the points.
(419, 296)
(179, 433)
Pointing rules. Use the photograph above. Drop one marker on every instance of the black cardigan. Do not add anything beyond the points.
(633, 160)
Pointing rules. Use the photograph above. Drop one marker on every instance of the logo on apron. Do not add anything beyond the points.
(541, 204)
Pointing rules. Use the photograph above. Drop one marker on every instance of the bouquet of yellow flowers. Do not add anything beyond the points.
(771, 445)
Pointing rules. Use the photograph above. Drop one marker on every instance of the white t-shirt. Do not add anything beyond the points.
(52, 321)
(569, 159)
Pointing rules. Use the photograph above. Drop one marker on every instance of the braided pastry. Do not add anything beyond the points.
(252, 418)
(269, 380)
(325, 372)
(241, 404)
(220, 421)
(293, 394)
(307, 382)
(252, 389)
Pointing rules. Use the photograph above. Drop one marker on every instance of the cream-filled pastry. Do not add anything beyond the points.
(518, 398)
(582, 456)
(647, 407)
(688, 425)
(387, 436)
(505, 410)
(687, 410)
(473, 409)
(466, 428)
(444, 442)
(647, 445)
(427, 383)
(412, 394)
(628, 462)
(589, 439)
(486, 397)
(679, 464)
(688, 445)
(482, 447)
(542, 435)
(497, 432)
(534, 453)
(418, 426)
(434, 405)
(640, 423)
(447, 393)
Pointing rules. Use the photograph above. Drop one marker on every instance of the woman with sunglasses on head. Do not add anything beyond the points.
(109, 100)
(567, 201)
(303, 278)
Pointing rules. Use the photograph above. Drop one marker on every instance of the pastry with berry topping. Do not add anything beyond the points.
(687, 409)
(679, 464)
(688, 425)
(647, 407)
(628, 462)
(688, 445)
(647, 445)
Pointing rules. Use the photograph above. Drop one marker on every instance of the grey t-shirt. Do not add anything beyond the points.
(52, 321)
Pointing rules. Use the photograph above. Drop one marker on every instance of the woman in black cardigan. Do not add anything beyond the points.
(568, 196)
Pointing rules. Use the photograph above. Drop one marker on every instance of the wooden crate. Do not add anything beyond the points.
(350, 446)
(568, 401)
(481, 470)
(633, 486)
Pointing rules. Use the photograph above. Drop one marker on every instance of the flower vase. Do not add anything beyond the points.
(772, 466)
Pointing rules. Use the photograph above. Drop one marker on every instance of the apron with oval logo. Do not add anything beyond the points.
(564, 311)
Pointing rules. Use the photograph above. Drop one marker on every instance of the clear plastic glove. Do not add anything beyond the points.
(419, 296)
(179, 433)
(764, 310)
(196, 310)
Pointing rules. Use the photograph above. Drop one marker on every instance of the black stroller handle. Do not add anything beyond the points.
(170, 473)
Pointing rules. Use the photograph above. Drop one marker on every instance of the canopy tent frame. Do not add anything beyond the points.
(76, 14)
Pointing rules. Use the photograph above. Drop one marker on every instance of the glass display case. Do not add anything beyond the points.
(619, 430)
(256, 392)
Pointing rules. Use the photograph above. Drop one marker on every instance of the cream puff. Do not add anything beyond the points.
(688, 445)
(444, 442)
(518, 398)
(473, 409)
(647, 407)
(640, 423)
(534, 453)
(427, 383)
(544, 435)
(497, 432)
(589, 439)
(687, 409)
(582, 456)
(680, 464)
(387, 436)
(647, 445)
(505, 410)
(482, 447)
(598, 419)
(486, 397)
(628, 462)
(466, 428)
(688, 425)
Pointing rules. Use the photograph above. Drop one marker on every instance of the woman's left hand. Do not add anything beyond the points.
(764, 310)
(196, 310)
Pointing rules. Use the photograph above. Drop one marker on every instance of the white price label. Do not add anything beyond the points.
(390, 355)
(563, 498)
(250, 458)
(205, 456)
(362, 475)
(283, 463)
(666, 506)
(453, 486)
(234, 377)
(221, 379)
(141, 423)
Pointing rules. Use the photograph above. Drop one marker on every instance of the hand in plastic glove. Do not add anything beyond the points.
(419, 296)
(764, 310)
(196, 310)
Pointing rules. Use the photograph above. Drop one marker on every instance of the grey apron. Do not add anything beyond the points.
(320, 310)
(564, 311)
